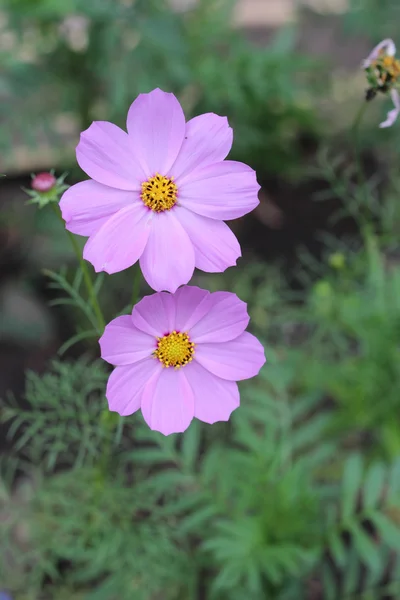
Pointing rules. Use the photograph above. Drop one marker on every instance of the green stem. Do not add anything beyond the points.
(108, 423)
(86, 275)
(365, 225)
(356, 134)
(359, 116)
(136, 284)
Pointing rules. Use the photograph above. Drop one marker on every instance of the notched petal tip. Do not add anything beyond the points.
(240, 358)
(168, 402)
(224, 191)
(156, 127)
(166, 431)
(168, 260)
(85, 132)
(158, 90)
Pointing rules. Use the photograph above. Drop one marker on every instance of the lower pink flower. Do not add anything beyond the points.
(178, 356)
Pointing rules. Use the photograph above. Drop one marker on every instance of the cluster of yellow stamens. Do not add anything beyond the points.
(159, 193)
(174, 350)
(388, 68)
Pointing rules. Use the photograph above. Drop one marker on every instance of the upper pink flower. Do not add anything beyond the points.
(159, 193)
(200, 338)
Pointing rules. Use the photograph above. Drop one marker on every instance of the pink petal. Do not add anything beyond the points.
(123, 344)
(155, 315)
(225, 320)
(125, 385)
(106, 154)
(192, 303)
(388, 45)
(87, 205)
(156, 125)
(168, 259)
(214, 398)
(225, 190)
(215, 245)
(119, 243)
(238, 359)
(168, 402)
(394, 113)
(208, 139)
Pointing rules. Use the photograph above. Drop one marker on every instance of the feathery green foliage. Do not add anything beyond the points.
(297, 497)
(255, 509)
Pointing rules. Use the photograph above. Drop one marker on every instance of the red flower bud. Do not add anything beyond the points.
(43, 182)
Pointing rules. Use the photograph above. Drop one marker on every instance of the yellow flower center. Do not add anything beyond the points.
(389, 65)
(392, 66)
(174, 350)
(159, 193)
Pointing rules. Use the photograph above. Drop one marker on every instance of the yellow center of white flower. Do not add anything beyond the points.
(159, 193)
(174, 350)
(389, 65)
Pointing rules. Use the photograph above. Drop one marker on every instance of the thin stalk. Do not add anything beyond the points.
(86, 275)
(136, 284)
(355, 130)
(107, 423)
(357, 150)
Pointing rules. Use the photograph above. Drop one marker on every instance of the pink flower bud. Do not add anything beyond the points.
(43, 182)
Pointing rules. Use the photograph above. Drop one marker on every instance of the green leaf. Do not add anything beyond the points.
(75, 339)
(303, 405)
(351, 574)
(228, 577)
(272, 568)
(148, 456)
(61, 283)
(366, 548)
(394, 482)
(374, 486)
(387, 529)
(329, 581)
(351, 484)
(197, 520)
(337, 548)
(312, 431)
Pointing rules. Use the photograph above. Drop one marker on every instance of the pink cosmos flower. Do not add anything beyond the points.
(159, 193)
(178, 356)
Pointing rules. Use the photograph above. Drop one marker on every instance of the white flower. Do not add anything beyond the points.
(387, 46)
(383, 74)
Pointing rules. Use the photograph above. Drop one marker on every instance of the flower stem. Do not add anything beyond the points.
(86, 275)
(359, 116)
(365, 225)
(137, 275)
(356, 135)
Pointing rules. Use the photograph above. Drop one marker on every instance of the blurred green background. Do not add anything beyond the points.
(298, 496)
